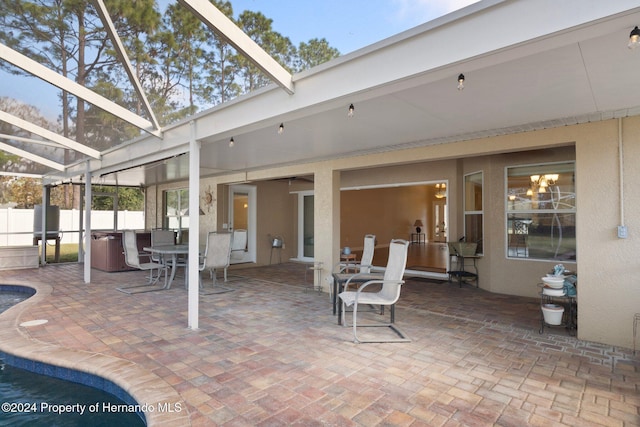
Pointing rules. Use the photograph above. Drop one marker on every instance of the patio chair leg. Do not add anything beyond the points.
(402, 336)
(355, 333)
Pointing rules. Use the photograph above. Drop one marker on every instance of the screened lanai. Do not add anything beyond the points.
(527, 67)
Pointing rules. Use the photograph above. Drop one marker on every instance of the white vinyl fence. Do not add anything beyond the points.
(16, 225)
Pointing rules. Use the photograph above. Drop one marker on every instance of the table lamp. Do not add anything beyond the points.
(417, 225)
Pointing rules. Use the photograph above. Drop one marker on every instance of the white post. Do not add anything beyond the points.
(194, 228)
(43, 222)
(87, 225)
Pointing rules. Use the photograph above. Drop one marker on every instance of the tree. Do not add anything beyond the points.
(189, 36)
(315, 52)
(258, 28)
(219, 83)
(129, 198)
(181, 64)
(17, 164)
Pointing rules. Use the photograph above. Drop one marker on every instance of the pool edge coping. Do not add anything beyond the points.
(140, 383)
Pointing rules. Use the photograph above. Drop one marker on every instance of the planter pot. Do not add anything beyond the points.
(552, 314)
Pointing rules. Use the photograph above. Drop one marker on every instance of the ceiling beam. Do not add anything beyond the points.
(46, 133)
(39, 70)
(227, 30)
(124, 59)
(30, 156)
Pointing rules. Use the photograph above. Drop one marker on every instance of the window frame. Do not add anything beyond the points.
(182, 220)
(540, 169)
(475, 212)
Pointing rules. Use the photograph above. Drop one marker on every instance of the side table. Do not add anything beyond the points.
(569, 318)
(418, 238)
(460, 270)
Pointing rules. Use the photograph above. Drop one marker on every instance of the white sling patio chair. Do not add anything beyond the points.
(217, 256)
(388, 294)
(362, 273)
(132, 257)
(161, 237)
(239, 244)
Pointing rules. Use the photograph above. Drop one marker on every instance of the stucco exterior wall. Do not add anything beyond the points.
(608, 294)
(607, 266)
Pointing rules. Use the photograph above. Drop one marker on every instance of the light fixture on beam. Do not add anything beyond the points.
(461, 82)
(351, 110)
(231, 142)
(634, 38)
(280, 128)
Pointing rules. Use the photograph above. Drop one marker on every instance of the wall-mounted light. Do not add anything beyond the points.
(634, 38)
(231, 142)
(280, 128)
(351, 110)
(461, 82)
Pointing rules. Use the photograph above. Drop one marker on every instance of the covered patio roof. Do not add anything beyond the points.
(527, 66)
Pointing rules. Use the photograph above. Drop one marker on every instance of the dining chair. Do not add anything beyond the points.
(238, 244)
(217, 256)
(362, 269)
(387, 295)
(132, 257)
(161, 237)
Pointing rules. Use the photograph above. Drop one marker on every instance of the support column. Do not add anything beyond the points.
(326, 221)
(43, 221)
(194, 228)
(87, 225)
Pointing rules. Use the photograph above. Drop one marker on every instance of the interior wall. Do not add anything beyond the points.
(275, 218)
(402, 197)
(389, 213)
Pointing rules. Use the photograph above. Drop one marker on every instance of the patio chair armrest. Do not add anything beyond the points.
(379, 282)
(357, 276)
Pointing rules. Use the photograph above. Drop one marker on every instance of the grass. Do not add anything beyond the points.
(68, 253)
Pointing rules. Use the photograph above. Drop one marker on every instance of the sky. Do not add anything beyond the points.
(347, 25)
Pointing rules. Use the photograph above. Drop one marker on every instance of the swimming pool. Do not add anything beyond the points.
(11, 295)
(38, 394)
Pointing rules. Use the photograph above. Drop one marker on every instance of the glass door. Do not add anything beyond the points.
(242, 205)
(439, 224)
(305, 226)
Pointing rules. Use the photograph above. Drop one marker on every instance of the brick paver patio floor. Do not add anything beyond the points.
(270, 353)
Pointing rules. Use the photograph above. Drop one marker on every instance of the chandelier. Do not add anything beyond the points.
(540, 183)
(441, 191)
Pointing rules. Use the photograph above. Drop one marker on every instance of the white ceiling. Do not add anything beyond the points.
(565, 66)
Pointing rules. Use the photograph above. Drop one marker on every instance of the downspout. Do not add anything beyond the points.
(621, 171)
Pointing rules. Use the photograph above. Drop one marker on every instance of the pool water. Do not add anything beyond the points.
(30, 398)
(9, 298)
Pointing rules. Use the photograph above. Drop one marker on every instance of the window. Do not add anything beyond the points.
(541, 212)
(176, 210)
(473, 210)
